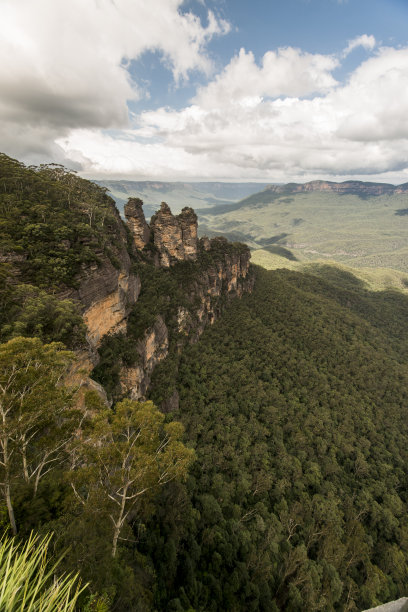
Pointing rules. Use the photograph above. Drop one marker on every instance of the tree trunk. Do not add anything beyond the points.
(10, 509)
(25, 467)
(118, 524)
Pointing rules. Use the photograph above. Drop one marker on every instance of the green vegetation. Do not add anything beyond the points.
(296, 405)
(28, 582)
(163, 292)
(281, 483)
(53, 226)
(90, 477)
(374, 279)
(360, 232)
(35, 423)
(52, 222)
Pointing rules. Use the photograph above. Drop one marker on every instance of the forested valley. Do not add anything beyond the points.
(280, 480)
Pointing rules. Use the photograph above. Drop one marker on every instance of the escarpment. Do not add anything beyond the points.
(125, 297)
(106, 289)
(185, 284)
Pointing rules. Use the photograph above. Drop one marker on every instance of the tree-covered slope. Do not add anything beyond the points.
(296, 405)
(55, 229)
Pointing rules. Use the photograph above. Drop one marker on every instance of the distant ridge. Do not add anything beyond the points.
(272, 192)
(350, 187)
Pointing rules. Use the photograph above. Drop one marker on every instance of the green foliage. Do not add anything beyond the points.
(29, 311)
(163, 292)
(127, 455)
(53, 222)
(295, 403)
(35, 423)
(28, 582)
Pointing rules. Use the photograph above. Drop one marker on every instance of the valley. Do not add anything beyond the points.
(359, 228)
(234, 437)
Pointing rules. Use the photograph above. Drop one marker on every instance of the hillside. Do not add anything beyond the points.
(295, 403)
(177, 194)
(222, 437)
(356, 224)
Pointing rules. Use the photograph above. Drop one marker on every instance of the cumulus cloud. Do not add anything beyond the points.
(358, 128)
(365, 41)
(64, 64)
(65, 86)
(285, 72)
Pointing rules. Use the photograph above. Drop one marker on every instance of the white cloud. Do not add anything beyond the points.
(359, 128)
(285, 72)
(63, 64)
(365, 41)
(64, 84)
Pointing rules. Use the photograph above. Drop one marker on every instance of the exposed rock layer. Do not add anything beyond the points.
(175, 237)
(351, 187)
(137, 223)
(152, 349)
(108, 315)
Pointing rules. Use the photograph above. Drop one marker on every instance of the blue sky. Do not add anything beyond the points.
(317, 26)
(208, 89)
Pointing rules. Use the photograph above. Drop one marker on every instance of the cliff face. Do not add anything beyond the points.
(228, 276)
(175, 237)
(108, 314)
(152, 349)
(221, 272)
(137, 223)
(217, 272)
(107, 291)
(347, 187)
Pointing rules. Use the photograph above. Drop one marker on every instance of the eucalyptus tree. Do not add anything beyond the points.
(36, 418)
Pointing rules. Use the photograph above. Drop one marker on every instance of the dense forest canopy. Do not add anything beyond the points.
(296, 404)
(279, 483)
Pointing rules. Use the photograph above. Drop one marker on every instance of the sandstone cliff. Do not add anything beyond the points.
(174, 237)
(165, 314)
(137, 223)
(152, 349)
(360, 188)
(108, 290)
(220, 272)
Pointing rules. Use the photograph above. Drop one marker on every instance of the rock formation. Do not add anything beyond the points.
(167, 236)
(175, 237)
(137, 223)
(347, 187)
(188, 222)
(152, 349)
(224, 274)
(109, 291)
(108, 314)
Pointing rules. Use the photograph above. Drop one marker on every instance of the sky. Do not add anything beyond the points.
(239, 90)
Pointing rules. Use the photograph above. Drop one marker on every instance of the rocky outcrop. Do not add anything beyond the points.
(107, 290)
(175, 237)
(223, 273)
(167, 236)
(108, 315)
(78, 379)
(137, 223)
(359, 188)
(152, 349)
(227, 277)
(188, 223)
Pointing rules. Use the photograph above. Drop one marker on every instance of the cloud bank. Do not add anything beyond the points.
(64, 64)
(65, 94)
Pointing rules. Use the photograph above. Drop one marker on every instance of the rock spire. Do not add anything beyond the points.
(174, 236)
